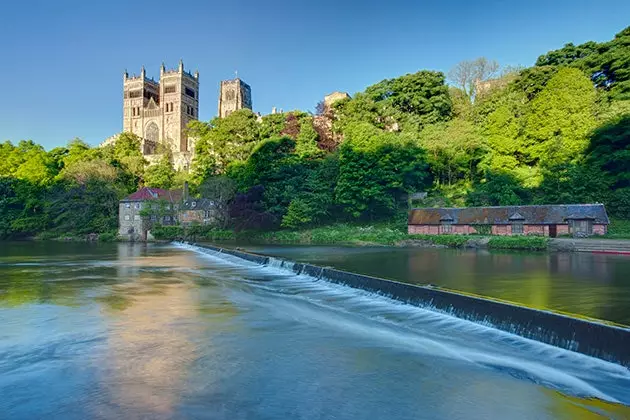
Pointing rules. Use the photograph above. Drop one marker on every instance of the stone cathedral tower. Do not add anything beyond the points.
(234, 95)
(159, 112)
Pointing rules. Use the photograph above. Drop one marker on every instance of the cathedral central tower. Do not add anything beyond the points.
(234, 95)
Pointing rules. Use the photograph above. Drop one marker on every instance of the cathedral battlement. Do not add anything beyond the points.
(159, 111)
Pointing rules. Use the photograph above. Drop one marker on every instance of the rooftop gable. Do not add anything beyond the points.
(147, 193)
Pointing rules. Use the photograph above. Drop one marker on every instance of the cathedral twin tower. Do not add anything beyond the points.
(159, 112)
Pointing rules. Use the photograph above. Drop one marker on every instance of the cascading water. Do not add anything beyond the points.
(312, 300)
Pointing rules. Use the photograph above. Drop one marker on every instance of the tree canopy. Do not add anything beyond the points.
(556, 132)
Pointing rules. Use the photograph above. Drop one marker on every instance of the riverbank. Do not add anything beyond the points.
(354, 235)
(391, 233)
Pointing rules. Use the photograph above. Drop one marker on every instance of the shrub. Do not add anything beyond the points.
(532, 243)
(47, 236)
(108, 236)
(451, 241)
(167, 232)
(619, 228)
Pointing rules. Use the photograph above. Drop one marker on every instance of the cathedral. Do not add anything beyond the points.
(159, 111)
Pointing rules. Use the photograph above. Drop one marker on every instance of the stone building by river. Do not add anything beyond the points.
(548, 220)
(147, 207)
(138, 212)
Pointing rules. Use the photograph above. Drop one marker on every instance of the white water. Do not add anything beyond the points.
(404, 327)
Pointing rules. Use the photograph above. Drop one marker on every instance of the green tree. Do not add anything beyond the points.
(607, 64)
(568, 54)
(561, 118)
(377, 170)
(423, 95)
(161, 174)
(306, 141)
(274, 165)
(221, 190)
(272, 125)
(498, 189)
(454, 150)
(225, 140)
(534, 79)
(314, 202)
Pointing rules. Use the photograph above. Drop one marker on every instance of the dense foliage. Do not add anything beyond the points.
(557, 132)
(70, 190)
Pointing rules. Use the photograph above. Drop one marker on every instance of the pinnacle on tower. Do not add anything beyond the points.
(125, 74)
(196, 74)
(162, 68)
(142, 72)
(181, 65)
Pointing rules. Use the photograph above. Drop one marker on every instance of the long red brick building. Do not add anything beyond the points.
(547, 220)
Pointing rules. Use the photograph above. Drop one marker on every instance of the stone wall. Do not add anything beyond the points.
(542, 230)
(129, 218)
(423, 230)
(562, 229)
(600, 229)
(500, 230)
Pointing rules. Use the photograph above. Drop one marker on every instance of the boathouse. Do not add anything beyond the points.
(577, 220)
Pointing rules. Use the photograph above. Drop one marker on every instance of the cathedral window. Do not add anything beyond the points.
(135, 94)
(190, 92)
(170, 89)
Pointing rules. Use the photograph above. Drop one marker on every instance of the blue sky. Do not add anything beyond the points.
(61, 62)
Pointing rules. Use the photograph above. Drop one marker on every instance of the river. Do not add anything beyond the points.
(169, 331)
(595, 285)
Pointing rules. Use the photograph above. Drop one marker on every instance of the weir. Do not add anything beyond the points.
(590, 337)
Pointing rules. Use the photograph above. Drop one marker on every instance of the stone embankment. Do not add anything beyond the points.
(606, 246)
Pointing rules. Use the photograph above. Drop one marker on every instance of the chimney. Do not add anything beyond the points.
(185, 193)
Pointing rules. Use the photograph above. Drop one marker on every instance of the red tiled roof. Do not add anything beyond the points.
(146, 193)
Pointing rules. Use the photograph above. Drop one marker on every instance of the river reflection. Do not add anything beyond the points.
(148, 347)
(114, 331)
(594, 285)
